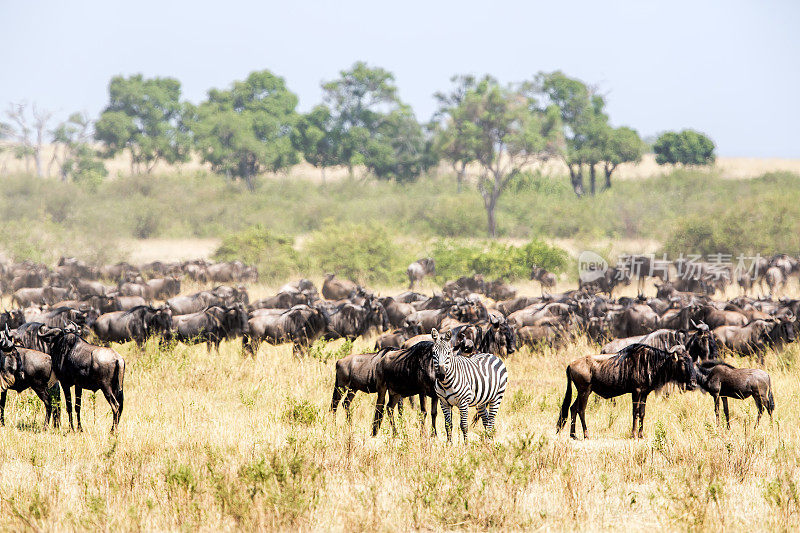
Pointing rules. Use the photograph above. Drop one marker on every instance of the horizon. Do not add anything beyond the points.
(728, 55)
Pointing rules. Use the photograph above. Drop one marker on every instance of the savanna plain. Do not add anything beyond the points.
(225, 442)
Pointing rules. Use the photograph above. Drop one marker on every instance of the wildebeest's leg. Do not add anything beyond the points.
(337, 396)
(48, 405)
(463, 409)
(394, 399)
(716, 408)
(447, 411)
(55, 401)
(759, 406)
(423, 413)
(115, 408)
(68, 401)
(584, 399)
(642, 405)
(78, 398)
(635, 401)
(380, 402)
(3, 407)
(346, 404)
(727, 414)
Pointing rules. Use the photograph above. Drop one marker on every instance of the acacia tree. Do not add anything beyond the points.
(506, 133)
(372, 125)
(248, 129)
(29, 133)
(315, 138)
(620, 145)
(73, 154)
(145, 117)
(687, 147)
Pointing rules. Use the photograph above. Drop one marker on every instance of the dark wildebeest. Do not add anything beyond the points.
(163, 288)
(282, 300)
(722, 380)
(337, 289)
(420, 268)
(301, 325)
(137, 324)
(13, 319)
(700, 343)
(500, 290)
(85, 366)
(211, 325)
(85, 288)
(755, 337)
(62, 316)
(396, 311)
(403, 373)
(351, 321)
(22, 368)
(638, 369)
(193, 303)
(356, 373)
(396, 338)
(27, 297)
(492, 336)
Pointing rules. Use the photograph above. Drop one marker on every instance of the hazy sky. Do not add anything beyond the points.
(727, 68)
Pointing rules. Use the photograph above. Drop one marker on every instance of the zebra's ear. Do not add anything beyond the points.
(447, 335)
(435, 334)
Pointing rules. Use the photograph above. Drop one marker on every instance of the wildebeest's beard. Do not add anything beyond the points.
(643, 366)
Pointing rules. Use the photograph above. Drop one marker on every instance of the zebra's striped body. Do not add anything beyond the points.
(476, 381)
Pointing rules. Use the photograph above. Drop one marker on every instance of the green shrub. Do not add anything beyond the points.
(496, 260)
(272, 254)
(362, 252)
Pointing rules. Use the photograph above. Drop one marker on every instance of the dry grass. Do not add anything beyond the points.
(222, 442)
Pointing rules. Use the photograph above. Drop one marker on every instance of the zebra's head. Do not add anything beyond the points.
(442, 353)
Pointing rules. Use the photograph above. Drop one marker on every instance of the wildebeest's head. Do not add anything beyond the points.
(442, 353)
(682, 366)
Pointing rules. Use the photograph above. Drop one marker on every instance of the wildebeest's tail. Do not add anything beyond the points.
(562, 417)
(118, 377)
(771, 400)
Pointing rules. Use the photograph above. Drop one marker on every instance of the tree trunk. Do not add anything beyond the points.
(460, 173)
(37, 158)
(576, 176)
(323, 175)
(608, 169)
(490, 218)
(592, 177)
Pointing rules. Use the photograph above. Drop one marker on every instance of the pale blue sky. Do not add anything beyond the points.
(728, 68)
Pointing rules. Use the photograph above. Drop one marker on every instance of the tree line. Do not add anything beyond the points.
(253, 127)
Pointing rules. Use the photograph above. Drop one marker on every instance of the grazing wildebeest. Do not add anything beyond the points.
(419, 269)
(300, 325)
(211, 325)
(403, 373)
(637, 369)
(337, 289)
(20, 369)
(722, 380)
(137, 324)
(84, 366)
(476, 381)
(755, 337)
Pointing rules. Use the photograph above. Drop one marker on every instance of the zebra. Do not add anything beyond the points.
(476, 381)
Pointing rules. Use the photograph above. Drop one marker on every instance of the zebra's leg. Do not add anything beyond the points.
(463, 409)
(492, 413)
(482, 414)
(447, 411)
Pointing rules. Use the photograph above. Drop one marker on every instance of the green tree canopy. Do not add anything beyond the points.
(315, 138)
(687, 147)
(368, 116)
(620, 145)
(144, 116)
(248, 129)
(76, 158)
(502, 132)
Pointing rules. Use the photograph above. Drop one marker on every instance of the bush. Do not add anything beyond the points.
(272, 254)
(496, 260)
(361, 252)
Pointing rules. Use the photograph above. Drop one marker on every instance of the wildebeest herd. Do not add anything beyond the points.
(449, 347)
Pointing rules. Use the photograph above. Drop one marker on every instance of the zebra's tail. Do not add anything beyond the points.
(562, 417)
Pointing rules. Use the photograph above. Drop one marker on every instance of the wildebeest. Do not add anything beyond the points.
(193, 303)
(211, 325)
(755, 337)
(163, 288)
(137, 324)
(85, 366)
(547, 280)
(396, 338)
(26, 297)
(700, 344)
(403, 373)
(351, 321)
(638, 369)
(300, 325)
(420, 268)
(356, 373)
(337, 289)
(722, 380)
(20, 369)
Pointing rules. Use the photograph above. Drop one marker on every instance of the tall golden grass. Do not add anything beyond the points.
(226, 442)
